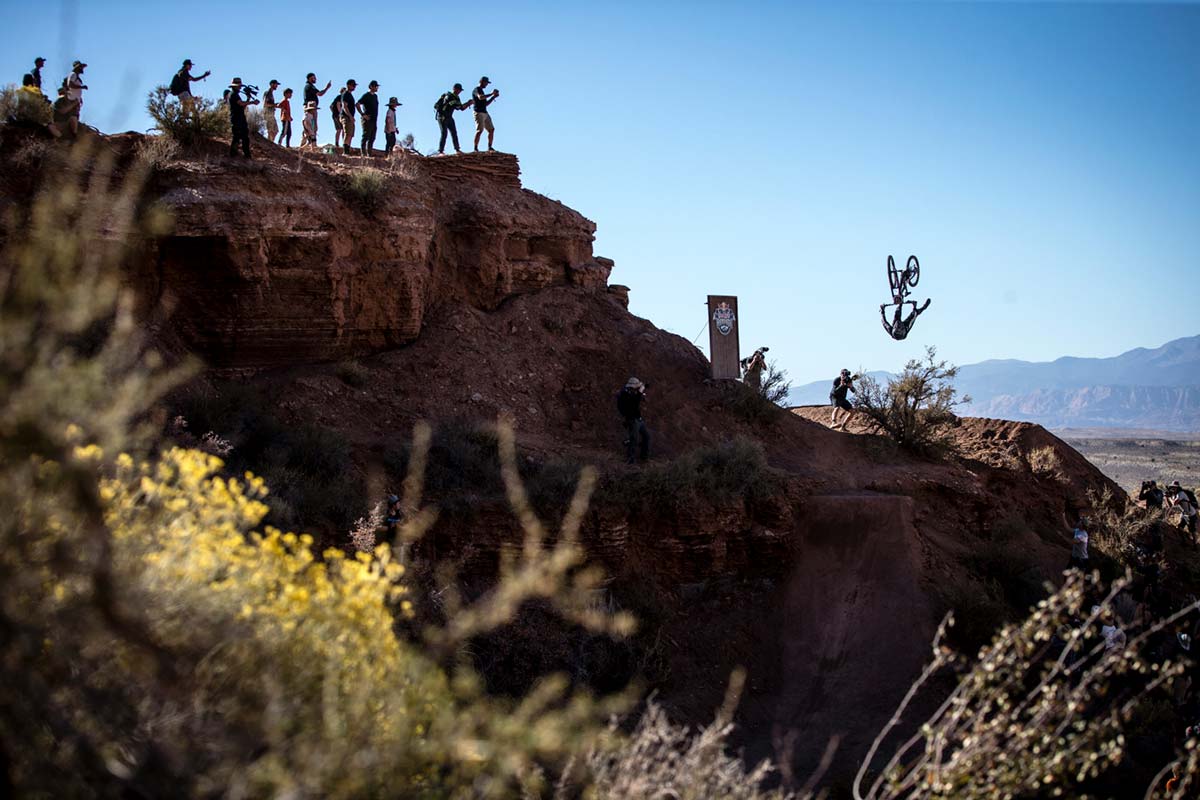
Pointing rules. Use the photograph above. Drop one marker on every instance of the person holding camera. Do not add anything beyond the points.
(837, 397)
(629, 406)
(483, 120)
(237, 117)
(752, 368)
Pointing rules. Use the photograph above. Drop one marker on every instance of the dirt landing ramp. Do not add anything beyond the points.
(855, 627)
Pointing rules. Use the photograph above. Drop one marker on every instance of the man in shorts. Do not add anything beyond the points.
(347, 110)
(837, 396)
(181, 87)
(483, 120)
(75, 88)
(268, 106)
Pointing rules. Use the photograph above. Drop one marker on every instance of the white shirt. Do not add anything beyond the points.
(75, 87)
(1114, 637)
(389, 121)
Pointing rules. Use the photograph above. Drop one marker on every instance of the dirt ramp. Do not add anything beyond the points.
(856, 625)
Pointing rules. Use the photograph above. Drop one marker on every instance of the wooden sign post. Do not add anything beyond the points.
(723, 337)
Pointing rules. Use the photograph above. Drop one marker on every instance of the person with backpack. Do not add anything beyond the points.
(75, 87)
(237, 118)
(837, 397)
(312, 95)
(389, 126)
(629, 406)
(368, 107)
(443, 111)
(269, 105)
(346, 108)
(335, 111)
(181, 87)
(483, 120)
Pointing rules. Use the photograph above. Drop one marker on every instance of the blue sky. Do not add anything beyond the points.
(1040, 158)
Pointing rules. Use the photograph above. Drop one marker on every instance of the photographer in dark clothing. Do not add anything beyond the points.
(1151, 494)
(347, 109)
(837, 397)
(629, 406)
(237, 118)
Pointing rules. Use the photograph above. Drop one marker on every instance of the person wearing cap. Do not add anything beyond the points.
(444, 110)
(181, 87)
(312, 95)
(285, 119)
(1187, 510)
(237, 118)
(75, 87)
(483, 120)
(335, 111)
(389, 126)
(629, 406)
(837, 398)
(268, 106)
(38, 63)
(308, 136)
(347, 109)
(368, 107)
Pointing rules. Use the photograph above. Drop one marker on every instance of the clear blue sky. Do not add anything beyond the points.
(1042, 160)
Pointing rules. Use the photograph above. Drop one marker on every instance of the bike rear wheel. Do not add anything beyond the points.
(913, 270)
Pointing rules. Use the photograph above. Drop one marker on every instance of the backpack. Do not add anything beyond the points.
(1191, 496)
(179, 84)
(446, 104)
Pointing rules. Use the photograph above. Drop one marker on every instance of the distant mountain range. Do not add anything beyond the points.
(1144, 388)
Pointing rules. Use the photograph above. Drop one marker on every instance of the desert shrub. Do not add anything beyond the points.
(256, 121)
(916, 407)
(1116, 533)
(211, 118)
(157, 151)
(1040, 712)
(775, 385)
(661, 759)
(366, 188)
(733, 471)
(353, 374)
(16, 106)
(978, 612)
(1045, 461)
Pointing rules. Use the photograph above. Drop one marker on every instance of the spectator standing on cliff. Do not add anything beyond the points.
(347, 110)
(335, 111)
(269, 105)
(368, 107)
(389, 126)
(308, 134)
(629, 406)
(842, 384)
(285, 118)
(444, 110)
(62, 112)
(237, 118)
(38, 63)
(181, 87)
(1079, 546)
(75, 87)
(483, 119)
(313, 95)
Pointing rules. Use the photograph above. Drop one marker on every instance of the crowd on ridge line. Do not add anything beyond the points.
(348, 111)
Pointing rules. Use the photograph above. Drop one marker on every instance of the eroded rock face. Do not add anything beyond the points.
(270, 270)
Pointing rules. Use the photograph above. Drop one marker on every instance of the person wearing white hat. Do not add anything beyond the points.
(389, 126)
(75, 86)
(629, 406)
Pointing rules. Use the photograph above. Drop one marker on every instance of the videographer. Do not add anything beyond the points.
(483, 119)
(629, 406)
(237, 116)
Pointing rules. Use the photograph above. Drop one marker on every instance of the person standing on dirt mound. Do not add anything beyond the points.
(629, 406)
(837, 397)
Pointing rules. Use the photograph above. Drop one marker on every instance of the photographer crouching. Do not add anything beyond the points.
(629, 406)
(237, 115)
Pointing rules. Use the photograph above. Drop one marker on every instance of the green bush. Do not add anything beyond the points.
(916, 407)
(366, 188)
(211, 119)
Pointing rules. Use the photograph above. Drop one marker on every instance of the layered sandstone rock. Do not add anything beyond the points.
(276, 262)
